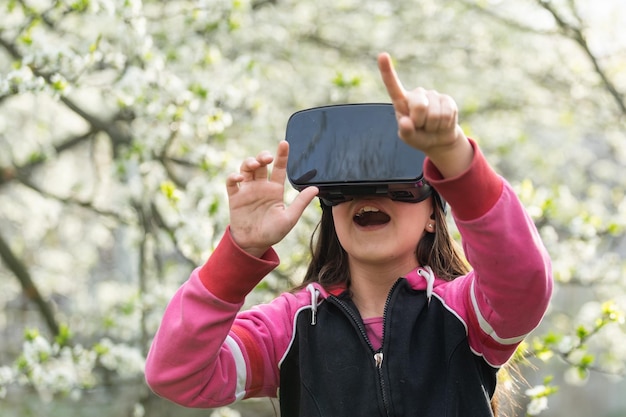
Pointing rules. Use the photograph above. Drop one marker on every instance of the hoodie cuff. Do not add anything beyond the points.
(230, 273)
(472, 193)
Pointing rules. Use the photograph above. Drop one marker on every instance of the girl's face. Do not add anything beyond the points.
(377, 230)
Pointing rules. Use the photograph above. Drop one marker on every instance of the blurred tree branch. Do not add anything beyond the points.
(8, 174)
(576, 34)
(28, 286)
(72, 201)
(159, 222)
(117, 135)
(506, 21)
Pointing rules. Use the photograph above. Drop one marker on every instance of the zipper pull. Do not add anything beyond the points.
(378, 358)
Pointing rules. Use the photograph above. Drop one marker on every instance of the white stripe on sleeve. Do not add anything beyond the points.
(240, 364)
(486, 327)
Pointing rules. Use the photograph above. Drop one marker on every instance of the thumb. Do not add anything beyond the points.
(300, 203)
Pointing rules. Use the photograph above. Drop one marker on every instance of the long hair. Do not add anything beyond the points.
(329, 261)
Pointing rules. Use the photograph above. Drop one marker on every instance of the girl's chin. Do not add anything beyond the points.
(374, 252)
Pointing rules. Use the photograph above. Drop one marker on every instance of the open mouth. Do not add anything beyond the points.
(371, 216)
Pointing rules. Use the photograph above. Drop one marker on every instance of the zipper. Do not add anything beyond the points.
(377, 354)
(354, 318)
(379, 359)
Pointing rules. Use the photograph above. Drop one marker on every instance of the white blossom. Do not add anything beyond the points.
(225, 412)
(576, 377)
(138, 410)
(566, 344)
(126, 360)
(7, 377)
(537, 405)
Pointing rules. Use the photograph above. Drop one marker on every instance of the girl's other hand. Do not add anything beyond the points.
(259, 217)
(428, 121)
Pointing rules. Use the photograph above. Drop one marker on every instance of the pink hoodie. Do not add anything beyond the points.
(207, 353)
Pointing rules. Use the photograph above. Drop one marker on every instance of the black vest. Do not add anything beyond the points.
(426, 369)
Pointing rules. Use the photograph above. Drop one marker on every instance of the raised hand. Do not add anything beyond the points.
(428, 121)
(259, 217)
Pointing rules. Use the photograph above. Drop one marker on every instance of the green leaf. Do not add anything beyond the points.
(100, 349)
(58, 83)
(582, 332)
(36, 157)
(64, 336)
(169, 190)
(80, 5)
(94, 46)
(199, 90)
(214, 207)
(552, 339)
(31, 334)
(342, 81)
(587, 360)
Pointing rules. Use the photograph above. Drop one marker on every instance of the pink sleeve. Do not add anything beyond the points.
(508, 291)
(205, 353)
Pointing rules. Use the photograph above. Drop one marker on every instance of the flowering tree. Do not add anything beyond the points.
(120, 120)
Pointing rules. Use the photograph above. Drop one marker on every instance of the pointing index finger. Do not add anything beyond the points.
(396, 91)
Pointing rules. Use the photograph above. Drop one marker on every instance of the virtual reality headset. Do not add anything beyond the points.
(353, 150)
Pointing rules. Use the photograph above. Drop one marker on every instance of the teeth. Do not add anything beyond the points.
(367, 209)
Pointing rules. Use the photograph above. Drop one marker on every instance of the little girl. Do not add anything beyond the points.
(389, 320)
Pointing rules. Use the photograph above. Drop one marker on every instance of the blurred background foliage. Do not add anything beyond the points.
(120, 119)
